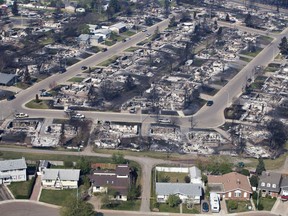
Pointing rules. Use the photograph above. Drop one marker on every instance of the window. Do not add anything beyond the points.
(274, 185)
(237, 194)
(263, 184)
(268, 185)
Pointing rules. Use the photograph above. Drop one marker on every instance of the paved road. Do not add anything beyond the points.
(26, 208)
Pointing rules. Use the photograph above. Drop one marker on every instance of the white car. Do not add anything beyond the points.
(21, 115)
(78, 116)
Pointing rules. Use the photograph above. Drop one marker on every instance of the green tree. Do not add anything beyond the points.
(37, 98)
(15, 10)
(254, 180)
(68, 164)
(173, 200)
(156, 33)
(118, 158)
(187, 179)
(283, 46)
(232, 204)
(134, 192)
(260, 167)
(77, 207)
(249, 20)
(172, 22)
(113, 8)
(245, 172)
(148, 21)
(84, 165)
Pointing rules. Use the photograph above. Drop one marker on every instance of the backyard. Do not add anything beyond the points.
(22, 190)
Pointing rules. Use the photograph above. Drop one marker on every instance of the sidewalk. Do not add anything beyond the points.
(36, 190)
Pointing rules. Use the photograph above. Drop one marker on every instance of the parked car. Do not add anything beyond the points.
(46, 94)
(210, 103)
(84, 68)
(104, 49)
(132, 110)
(21, 115)
(11, 97)
(164, 120)
(78, 116)
(205, 207)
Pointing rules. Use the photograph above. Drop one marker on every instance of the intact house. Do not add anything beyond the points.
(284, 188)
(7, 79)
(118, 27)
(269, 183)
(13, 171)
(188, 193)
(117, 180)
(195, 175)
(87, 40)
(230, 186)
(60, 178)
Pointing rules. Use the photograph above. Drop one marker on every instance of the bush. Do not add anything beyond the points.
(232, 205)
(187, 179)
(68, 164)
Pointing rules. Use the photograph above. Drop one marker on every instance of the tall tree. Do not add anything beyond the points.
(260, 167)
(278, 132)
(283, 46)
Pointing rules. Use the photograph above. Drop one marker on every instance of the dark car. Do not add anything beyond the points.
(104, 49)
(11, 97)
(205, 207)
(209, 103)
(84, 68)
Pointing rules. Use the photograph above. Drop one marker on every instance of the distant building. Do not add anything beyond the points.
(13, 171)
(118, 27)
(7, 79)
(60, 178)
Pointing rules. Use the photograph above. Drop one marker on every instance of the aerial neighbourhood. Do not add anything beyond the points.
(141, 107)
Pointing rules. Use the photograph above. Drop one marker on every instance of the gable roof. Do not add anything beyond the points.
(231, 181)
(272, 178)
(6, 78)
(63, 174)
(122, 170)
(13, 164)
(178, 188)
(284, 182)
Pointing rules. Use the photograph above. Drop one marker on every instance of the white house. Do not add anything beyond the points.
(104, 33)
(13, 171)
(188, 193)
(118, 27)
(60, 178)
(195, 175)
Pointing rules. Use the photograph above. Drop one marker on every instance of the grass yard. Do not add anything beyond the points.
(173, 176)
(57, 197)
(128, 33)
(22, 85)
(242, 206)
(125, 205)
(76, 79)
(22, 190)
(245, 59)
(131, 49)
(269, 163)
(94, 49)
(43, 104)
(195, 210)
(108, 61)
(163, 207)
(266, 202)
(252, 54)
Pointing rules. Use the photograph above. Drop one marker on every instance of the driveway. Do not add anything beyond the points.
(280, 208)
(22, 208)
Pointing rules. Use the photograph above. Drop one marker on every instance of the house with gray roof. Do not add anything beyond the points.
(195, 175)
(118, 27)
(7, 79)
(284, 188)
(13, 171)
(188, 193)
(269, 183)
(60, 178)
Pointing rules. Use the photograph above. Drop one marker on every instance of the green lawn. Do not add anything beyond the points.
(252, 54)
(109, 43)
(22, 85)
(131, 49)
(245, 59)
(108, 61)
(76, 79)
(57, 197)
(242, 206)
(163, 207)
(43, 104)
(128, 33)
(174, 177)
(125, 205)
(195, 210)
(266, 202)
(21, 190)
